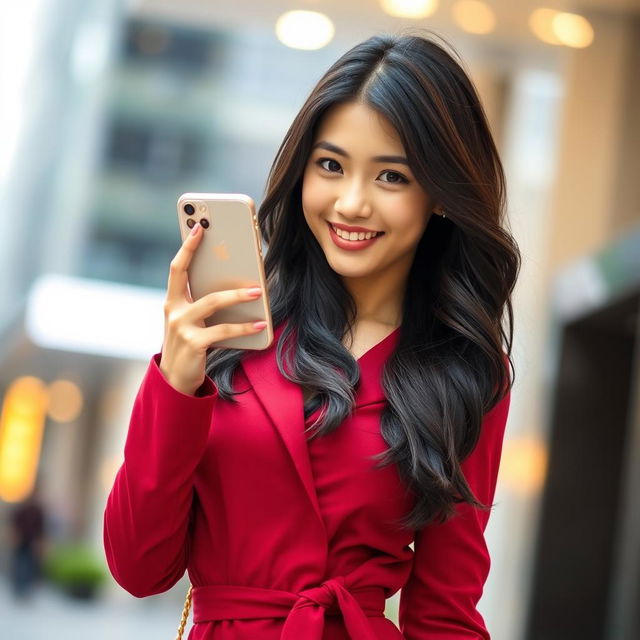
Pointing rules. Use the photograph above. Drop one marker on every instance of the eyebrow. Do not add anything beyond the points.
(323, 144)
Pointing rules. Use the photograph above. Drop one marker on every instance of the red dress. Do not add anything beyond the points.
(286, 538)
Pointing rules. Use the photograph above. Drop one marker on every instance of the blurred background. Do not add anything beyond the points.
(111, 108)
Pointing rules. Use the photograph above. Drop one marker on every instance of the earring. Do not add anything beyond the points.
(444, 215)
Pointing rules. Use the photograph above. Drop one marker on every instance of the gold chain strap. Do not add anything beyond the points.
(185, 613)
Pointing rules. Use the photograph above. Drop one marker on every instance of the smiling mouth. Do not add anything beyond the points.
(354, 236)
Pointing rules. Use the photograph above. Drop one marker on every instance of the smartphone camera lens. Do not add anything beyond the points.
(205, 223)
(191, 223)
(189, 209)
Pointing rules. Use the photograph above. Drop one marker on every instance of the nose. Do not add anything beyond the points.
(353, 201)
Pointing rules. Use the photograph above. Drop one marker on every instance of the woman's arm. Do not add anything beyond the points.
(451, 560)
(146, 520)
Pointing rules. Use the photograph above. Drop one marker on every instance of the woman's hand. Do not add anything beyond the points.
(186, 337)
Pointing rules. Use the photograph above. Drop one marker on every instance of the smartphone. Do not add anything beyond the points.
(229, 256)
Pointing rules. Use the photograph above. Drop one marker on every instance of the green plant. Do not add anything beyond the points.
(75, 568)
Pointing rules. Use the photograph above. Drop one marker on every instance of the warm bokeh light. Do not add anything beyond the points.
(111, 399)
(573, 30)
(523, 465)
(560, 28)
(108, 470)
(474, 16)
(415, 9)
(21, 428)
(304, 29)
(65, 401)
(541, 24)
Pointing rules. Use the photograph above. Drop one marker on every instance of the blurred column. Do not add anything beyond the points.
(520, 102)
(54, 58)
(624, 613)
(597, 192)
(54, 66)
(528, 151)
(595, 198)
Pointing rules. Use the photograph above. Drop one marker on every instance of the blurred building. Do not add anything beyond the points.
(120, 107)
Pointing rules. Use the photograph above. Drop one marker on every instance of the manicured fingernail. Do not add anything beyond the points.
(261, 324)
(254, 291)
(196, 226)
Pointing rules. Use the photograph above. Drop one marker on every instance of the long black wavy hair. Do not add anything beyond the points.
(450, 365)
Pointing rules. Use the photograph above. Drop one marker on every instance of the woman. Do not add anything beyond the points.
(290, 482)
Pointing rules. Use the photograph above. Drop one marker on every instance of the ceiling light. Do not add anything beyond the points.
(304, 29)
(573, 30)
(414, 9)
(87, 316)
(560, 28)
(474, 16)
(541, 24)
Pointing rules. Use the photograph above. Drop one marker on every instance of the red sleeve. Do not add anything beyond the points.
(146, 518)
(451, 560)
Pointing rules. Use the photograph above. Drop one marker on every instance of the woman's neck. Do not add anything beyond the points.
(378, 300)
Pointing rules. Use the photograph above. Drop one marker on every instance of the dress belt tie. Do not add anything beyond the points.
(304, 611)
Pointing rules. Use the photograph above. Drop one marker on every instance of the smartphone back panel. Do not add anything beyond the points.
(229, 256)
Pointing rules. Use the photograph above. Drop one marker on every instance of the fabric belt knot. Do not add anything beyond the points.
(304, 611)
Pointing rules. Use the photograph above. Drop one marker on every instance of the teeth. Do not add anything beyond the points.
(355, 235)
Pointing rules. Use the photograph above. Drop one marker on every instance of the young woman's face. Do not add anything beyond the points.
(359, 197)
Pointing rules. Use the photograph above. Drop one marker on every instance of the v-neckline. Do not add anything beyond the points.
(379, 344)
(393, 334)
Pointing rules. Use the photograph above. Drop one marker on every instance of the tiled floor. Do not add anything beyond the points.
(49, 615)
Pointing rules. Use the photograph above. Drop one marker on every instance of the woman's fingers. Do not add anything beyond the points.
(209, 304)
(177, 283)
(224, 331)
(186, 337)
(200, 338)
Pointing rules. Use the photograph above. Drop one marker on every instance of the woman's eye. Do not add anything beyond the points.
(331, 165)
(396, 178)
(321, 162)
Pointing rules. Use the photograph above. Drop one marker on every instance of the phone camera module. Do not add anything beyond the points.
(205, 223)
(189, 209)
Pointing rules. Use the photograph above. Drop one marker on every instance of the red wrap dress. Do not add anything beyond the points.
(286, 538)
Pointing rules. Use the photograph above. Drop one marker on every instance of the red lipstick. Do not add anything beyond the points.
(351, 245)
(344, 227)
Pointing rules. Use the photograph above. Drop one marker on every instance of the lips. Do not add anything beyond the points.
(356, 244)
(353, 234)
